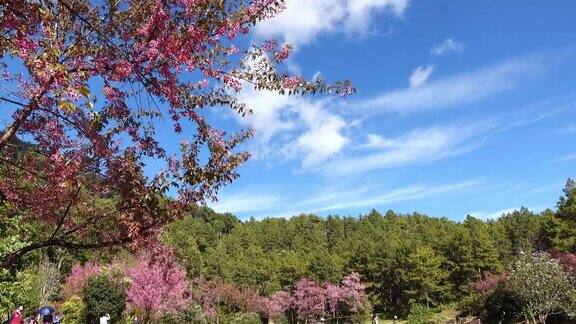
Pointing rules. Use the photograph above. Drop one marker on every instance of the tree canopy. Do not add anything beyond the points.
(87, 83)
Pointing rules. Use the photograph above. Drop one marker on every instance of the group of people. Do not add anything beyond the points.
(45, 315)
(48, 315)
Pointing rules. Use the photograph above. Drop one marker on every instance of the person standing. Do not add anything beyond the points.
(17, 316)
(105, 319)
(56, 319)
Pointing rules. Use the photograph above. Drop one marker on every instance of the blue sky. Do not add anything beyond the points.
(463, 107)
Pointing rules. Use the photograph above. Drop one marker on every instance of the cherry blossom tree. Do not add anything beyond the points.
(90, 83)
(353, 292)
(334, 298)
(567, 261)
(74, 283)
(276, 305)
(490, 282)
(309, 299)
(157, 288)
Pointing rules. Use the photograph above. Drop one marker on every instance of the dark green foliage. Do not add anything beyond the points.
(500, 304)
(420, 314)
(402, 258)
(104, 294)
(561, 227)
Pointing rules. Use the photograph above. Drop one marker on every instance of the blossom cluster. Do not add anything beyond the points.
(309, 300)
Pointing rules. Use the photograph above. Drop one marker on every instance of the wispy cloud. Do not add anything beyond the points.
(447, 46)
(493, 215)
(346, 200)
(293, 127)
(499, 213)
(566, 158)
(333, 200)
(304, 20)
(418, 146)
(455, 90)
(420, 75)
(245, 202)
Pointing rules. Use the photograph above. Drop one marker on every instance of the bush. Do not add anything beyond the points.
(193, 314)
(244, 318)
(420, 314)
(73, 310)
(502, 305)
(19, 290)
(104, 294)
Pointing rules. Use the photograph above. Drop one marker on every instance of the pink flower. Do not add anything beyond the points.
(157, 287)
(284, 52)
(121, 71)
(203, 83)
(75, 281)
(111, 93)
(291, 82)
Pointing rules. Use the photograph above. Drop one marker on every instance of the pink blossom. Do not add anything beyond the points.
(284, 52)
(277, 304)
(157, 287)
(490, 282)
(567, 261)
(202, 83)
(291, 82)
(309, 299)
(74, 283)
(121, 71)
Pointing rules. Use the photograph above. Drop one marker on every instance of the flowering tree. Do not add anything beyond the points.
(157, 288)
(490, 282)
(542, 285)
(566, 260)
(88, 83)
(309, 299)
(74, 283)
(276, 305)
(353, 292)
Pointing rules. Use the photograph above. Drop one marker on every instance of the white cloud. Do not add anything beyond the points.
(333, 200)
(310, 130)
(493, 215)
(323, 137)
(303, 20)
(566, 158)
(293, 126)
(245, 202)
(375, 140)
(456, 90)
(347, 200)
(420, 75)
(360, 12)
(447, 46)
(270, 112)
(497, 214)
(418, 146)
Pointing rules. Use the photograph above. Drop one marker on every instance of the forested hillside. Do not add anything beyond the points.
(403, 259)
(214, 267)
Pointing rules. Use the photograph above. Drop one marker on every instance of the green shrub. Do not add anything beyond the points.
(244, 318)
(420, 314)
(104, 294)
(19, 290)
(73, 310)
(193, 314)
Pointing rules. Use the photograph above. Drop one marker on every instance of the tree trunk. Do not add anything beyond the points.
(543, 318)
